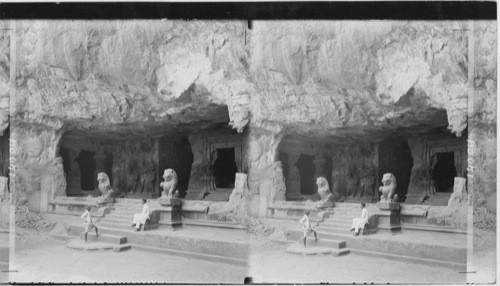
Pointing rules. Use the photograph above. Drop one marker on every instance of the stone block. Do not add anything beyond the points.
(4, 188)
(169, 201)
(170, 216)
(105, 200)
(324, 205)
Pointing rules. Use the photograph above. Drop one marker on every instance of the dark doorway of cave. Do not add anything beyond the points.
(86, 163)
(225, 168)
(444, 172)
(306, 168)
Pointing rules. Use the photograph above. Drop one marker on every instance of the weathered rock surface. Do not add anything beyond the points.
(358, 80)
(4, 77)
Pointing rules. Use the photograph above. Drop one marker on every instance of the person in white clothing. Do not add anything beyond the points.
(306, 225)
(359, 223)
(141, 218)
(88, 223)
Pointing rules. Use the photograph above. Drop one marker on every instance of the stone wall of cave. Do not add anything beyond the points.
(176, 154)
(354, 171)
(350, 169)
(311, 78)
(216, 156)
(4, 154)
(395, 157)
(39, 169)
(131, 165)
(427, 156)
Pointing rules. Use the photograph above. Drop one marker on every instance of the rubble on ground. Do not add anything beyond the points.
(27, 219)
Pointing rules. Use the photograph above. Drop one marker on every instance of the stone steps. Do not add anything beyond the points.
(438, 199)
(115, 239)
(212, 223)
(197, 247)
(122, 219)
(431, 227)
(218, 195)
(405, 249)
(130, 210)
(102, 242)
(194, 194)
(121, 225)
(298, 248)
(323, 242)
(338, 229)
(114, 215)
(97, 245)
(324, 245)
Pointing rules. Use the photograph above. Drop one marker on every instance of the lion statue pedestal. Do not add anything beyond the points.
(107, 191)
(325, 194)
(170, 211)
(388, 187)
(170, 184)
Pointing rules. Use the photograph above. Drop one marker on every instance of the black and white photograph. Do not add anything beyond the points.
(248, 149)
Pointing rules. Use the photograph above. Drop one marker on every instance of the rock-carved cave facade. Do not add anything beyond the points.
(347, 101)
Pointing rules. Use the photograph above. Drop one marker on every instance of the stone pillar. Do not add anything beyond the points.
(156, 158)
(199, 166)
(238, 155)
(420, 179)
(265, 174)
(320, 164)
(293, 178)
(73, 177)
(100, 162)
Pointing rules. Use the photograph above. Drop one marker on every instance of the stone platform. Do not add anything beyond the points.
(80, 244)
(430, 244)
(4, 249)
(295, 210)
(298, 248)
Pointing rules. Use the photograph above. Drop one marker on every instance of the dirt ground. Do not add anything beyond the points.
(353, 268)
(42, 258)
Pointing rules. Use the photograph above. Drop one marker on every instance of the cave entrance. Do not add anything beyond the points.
(130, 163)
(217, 157)
(4, 154)
(86, 163)
(444, 172)
(306, 169)
(225, 168)
(4, 166)
(394, 156)
(177, 155)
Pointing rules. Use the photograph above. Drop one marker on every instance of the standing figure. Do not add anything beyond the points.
(359, 223)
(306, 225)
(141, 218)
(88, 223)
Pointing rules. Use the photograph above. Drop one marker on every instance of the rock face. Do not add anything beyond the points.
(4, 77)
(367, 81)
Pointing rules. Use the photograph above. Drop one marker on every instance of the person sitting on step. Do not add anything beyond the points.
(141, 218)
(359, 223)
(306, 224)
(88, 223)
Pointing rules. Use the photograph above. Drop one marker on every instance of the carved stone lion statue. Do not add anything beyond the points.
(324, 190)
(104, 185)
(389, 187)
(170, 184)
